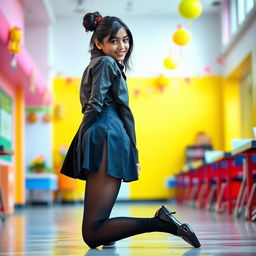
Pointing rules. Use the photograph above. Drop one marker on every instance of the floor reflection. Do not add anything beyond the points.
(103, 252)
(56, 231)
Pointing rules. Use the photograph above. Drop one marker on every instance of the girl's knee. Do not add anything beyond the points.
(90, 239)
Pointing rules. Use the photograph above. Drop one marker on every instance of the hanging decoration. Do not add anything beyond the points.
(170, 62)
(190, 9)
(46, 118)
(220, 60)
(182, 36)
(161, 83)
(208, 70)
(187, 80)
(13, 62)
(32, 117)
(14, 40)
(69, 80)
(136, 93)
(15, 37)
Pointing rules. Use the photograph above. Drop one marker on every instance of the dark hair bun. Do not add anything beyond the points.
(91, 20)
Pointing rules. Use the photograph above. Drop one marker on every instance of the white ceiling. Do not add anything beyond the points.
(69, 8)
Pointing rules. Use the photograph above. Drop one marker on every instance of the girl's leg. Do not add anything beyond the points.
(100, 196)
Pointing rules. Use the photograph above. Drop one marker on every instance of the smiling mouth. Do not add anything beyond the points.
(120, 54)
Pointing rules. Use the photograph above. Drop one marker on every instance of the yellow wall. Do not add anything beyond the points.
(231, 110)
(166, 122)
(66, 103)
(232, 102)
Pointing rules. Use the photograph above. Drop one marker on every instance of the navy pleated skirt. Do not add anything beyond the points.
(121, 156)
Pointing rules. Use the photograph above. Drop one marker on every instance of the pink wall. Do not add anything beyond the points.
(6, 85)
(13, 10)
(25, 64)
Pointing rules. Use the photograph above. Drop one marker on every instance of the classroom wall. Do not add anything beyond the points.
(152, 43)
(38, 137)
(9, 89)
(67, 116)
(39, 49)
(15, 167)
(240, 57)
(13, 10)
(166, 122)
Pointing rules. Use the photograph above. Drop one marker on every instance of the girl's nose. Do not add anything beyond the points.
(121, 45)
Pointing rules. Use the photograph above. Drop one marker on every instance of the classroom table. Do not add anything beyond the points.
(248, 150)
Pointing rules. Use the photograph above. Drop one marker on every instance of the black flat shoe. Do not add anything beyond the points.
(183, 230)
(110, 244)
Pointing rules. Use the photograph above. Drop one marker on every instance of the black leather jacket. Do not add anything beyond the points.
(104, 84)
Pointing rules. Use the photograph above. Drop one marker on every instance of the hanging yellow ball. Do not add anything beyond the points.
(181, 37)
(190, 9)
(170, 63)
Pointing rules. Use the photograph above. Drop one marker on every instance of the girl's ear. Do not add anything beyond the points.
(98, 44)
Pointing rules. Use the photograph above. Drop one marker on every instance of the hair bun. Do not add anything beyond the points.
(91, 20)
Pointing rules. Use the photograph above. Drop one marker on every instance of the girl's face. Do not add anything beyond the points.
(116, 47)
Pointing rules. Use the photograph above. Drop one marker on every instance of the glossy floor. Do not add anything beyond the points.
(56, 231)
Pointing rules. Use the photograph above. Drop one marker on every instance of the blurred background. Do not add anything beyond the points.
(191, 84)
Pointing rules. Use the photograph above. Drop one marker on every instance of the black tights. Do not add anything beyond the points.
(100, 195)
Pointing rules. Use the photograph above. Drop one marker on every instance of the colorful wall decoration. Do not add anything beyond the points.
(6, 123)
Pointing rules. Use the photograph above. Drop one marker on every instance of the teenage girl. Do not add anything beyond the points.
(103, 151)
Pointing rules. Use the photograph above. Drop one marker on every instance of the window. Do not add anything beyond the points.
(240, 11)
(234, 14)
(249, 5)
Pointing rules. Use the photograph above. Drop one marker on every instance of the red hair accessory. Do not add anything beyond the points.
(98, 19)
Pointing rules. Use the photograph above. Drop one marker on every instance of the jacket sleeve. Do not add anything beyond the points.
(103, 74)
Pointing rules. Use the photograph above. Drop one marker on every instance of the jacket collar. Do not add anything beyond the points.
(97, 53)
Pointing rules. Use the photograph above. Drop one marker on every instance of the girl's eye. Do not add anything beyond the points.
(113, 41)
(126, 40)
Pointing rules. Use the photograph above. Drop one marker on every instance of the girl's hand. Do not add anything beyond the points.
(138, 168)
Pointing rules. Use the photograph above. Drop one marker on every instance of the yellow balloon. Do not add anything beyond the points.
(170, 63)
(190, 9)
(181, 37)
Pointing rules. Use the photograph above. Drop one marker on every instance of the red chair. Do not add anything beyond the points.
(229, 178)
(247, 192)
(208, 187)
(181, 187)
(194, 186)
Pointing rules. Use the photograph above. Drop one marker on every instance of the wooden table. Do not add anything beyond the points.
(248, 150)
